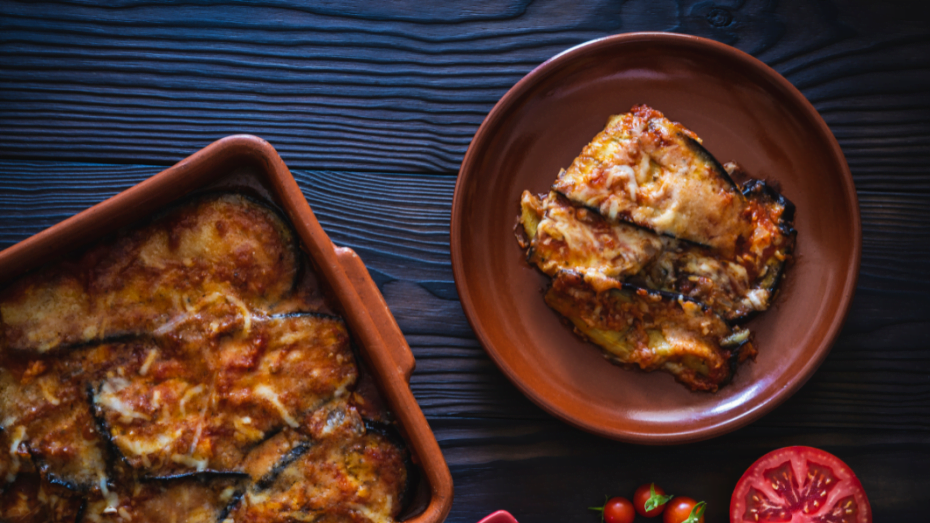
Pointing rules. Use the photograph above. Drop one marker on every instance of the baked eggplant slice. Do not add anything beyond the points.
(296, 364)
(739, 285)
(224, 247)
(344, 473)
(560, 235)
(14, 457)
(200, 404)
(200, 499)
(31, 500)
(652, 330)
(157, 425)
(68, 451)
(652, 172)
(46, 414)
(773, 239)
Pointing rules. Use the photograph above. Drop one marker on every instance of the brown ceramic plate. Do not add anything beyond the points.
(251, 164)
(745, 112)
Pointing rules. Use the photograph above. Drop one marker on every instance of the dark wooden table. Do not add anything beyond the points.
(373, 104)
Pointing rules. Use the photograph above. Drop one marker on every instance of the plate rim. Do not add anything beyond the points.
(690, 434)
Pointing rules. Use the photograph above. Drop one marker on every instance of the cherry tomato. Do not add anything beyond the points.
(617, 510)
(682, 509)
(644, 494)
(801, 485)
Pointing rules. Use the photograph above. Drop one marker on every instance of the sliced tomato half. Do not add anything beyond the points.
(799, 485)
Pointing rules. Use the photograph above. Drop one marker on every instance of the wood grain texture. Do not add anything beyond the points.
(373, 105)
(343, 88)
(869, 402)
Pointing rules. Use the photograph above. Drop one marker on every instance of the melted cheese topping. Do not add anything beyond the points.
(12, 466)
(571, 237)
(346, 471)
(263, 391)
(179, 415)
(224, 244)
(207, 377)
(645, 169)
(110, 400)
(180, 501)
(565, 236)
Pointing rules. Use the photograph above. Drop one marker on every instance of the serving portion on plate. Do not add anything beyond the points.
(654, 249)
(656, 253)
(218, 360)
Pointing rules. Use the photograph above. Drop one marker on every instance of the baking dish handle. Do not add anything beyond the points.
(380, 313)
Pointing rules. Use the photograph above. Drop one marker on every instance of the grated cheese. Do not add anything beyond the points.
(264, 391)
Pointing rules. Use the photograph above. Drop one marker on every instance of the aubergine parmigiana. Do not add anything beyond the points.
(646, 206)
(195, 363)
(561, 235)
(169, 410)
(647, 170)
(187, 499)
(348, 470)
(652, 330)
(225, 247)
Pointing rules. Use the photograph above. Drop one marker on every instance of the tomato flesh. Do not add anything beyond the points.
(799, 485)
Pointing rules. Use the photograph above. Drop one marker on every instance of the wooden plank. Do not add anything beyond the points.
(379, 91)
(351, 87)
(874, 378)
(550, 472)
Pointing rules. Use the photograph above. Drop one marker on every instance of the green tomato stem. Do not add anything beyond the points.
(696, 513)
(655, 500)
(601, 508)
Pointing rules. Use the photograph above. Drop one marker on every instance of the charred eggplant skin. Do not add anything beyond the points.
(764, 192)
(705, 155)
(269, 477)
(759, 188)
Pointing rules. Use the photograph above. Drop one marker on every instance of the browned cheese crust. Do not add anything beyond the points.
(742, 283)
(219, 248)
(207, 391)
(647, 170)
(185, 500)
(46, 413)
(565, 236)
(177, 409)
(346, 475)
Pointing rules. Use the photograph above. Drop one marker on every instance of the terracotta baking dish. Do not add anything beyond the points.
(252, 163)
